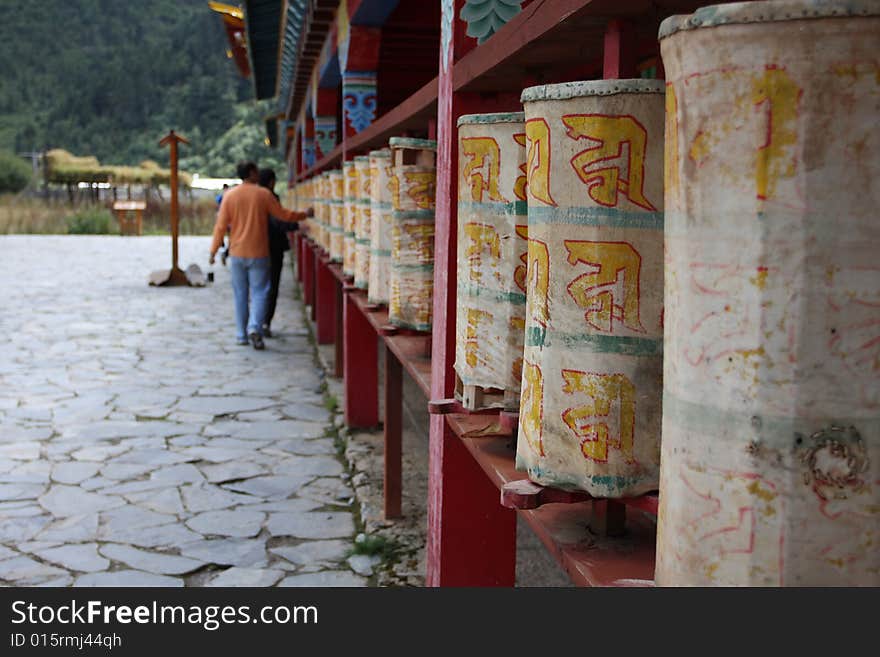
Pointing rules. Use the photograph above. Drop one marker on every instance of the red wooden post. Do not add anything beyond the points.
(393, 434)
(619, 59)
(300, 254)
(361, 371)
(471, 537)
(308, 274)
(325, 301)
(339, 333)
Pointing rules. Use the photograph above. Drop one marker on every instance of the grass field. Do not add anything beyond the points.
(28, 215)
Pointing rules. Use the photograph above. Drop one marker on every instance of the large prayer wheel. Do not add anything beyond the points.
(336, 224)
(771, 428)
(590, 409)
(351, 189)
(362, 223)
(492, 256)
(378, 289)
(413, 186)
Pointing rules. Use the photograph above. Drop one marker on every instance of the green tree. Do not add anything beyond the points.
(15, 173)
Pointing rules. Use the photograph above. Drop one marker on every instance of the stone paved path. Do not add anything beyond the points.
(139, 445)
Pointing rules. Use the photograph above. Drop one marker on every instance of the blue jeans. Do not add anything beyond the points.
(250, 277)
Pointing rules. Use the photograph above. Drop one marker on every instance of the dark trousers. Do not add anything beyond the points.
(277, 264)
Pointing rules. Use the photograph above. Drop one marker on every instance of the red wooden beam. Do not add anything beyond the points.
(471, 538)
(361, 371)
(619, 59)
(325, 301)
(393, 434)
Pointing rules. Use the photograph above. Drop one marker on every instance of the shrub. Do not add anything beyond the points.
(15, 174)
(90, 221)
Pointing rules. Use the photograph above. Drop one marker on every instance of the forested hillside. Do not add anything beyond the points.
(109, 78)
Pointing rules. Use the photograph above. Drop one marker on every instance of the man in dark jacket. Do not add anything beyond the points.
(278, 244)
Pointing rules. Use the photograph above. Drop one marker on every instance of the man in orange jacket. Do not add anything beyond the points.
(245, 212)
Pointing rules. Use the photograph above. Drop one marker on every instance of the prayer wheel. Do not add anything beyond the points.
(322, 209)
(362, 223)
(378, 289)
(351, 185)
(771, 438)
(492, 256)
(590, 408)
(336, 224)
(413, 186)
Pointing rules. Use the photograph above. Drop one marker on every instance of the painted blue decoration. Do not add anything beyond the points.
(325, 134)
(360, 106)
(359, 99)
(486, 17)
(308, 153)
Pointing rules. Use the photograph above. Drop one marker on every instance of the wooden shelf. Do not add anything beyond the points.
(549, 38)
(589, 560)
(414, 113)
(409, 349)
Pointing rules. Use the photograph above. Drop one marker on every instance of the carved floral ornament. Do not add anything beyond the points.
(485, 17)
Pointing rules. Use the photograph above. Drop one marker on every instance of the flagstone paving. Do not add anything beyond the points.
(140, 446)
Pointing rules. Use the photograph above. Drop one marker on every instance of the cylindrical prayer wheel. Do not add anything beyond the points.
(413, 186)
(362, 223)
(336, 224)
(322, 209)
(378, 289)
(771, 422)
(492, 256)
(351, 188)
(590, 409)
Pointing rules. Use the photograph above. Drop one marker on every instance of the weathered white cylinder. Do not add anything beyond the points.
(590, 410)
(351, 187)
(322, 209)
(378, 289)
(412, 247)
(336, 223)
(362, 224)
(323, 204)
(492, 256)
(771, 428)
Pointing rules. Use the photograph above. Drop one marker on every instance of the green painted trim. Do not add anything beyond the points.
(592, 216)
(488, 119)
(361, 241)
(516, 208)
(568, 90)
(597, 342)
(410, 142)
(381, 253)
(750, 420)
(402, 268)
(748, 12)
(477, 291)
(380, 205)
(601, 482)
(412, 214)
(425, 328)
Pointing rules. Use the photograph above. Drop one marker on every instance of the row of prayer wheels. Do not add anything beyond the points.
(675, 283)
(730, 306)
(375, 217)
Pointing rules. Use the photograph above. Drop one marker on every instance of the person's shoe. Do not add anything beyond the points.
(257, 341)
(242, 343)
(267, 332)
